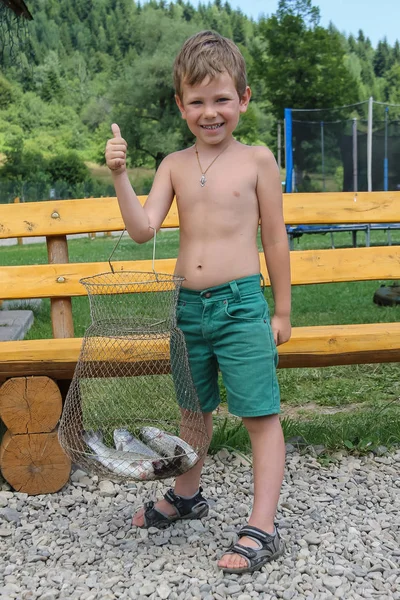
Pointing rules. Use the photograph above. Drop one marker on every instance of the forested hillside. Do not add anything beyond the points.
(86, 63)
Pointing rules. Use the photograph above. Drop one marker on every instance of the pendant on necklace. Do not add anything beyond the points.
(203, 180)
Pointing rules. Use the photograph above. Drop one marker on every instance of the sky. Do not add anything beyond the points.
(377, 18)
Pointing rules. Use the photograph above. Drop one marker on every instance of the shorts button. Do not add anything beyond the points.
(208, 295)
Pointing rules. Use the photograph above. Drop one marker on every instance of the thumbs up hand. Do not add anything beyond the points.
(116, 151)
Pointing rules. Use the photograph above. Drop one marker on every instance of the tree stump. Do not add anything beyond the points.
(30, 404)
(31, 458)
(34, 463)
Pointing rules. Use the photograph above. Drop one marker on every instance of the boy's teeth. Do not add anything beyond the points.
(212, 126)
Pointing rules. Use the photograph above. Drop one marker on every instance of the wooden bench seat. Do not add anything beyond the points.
(317, 346)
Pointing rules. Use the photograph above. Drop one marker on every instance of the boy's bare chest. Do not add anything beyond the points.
(223, 188)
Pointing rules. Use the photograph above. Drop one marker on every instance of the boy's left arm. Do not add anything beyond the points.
(274, 240)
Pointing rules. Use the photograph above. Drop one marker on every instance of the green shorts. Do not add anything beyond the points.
(227, 327)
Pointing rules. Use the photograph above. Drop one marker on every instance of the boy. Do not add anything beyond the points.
(222, 189)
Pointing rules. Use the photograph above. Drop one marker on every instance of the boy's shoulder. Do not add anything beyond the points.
(259, 153)
(263, 154)
(178, 155)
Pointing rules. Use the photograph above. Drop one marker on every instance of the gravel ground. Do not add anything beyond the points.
(341, 523)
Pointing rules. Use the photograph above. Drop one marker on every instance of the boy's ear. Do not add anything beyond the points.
(180, 106)
(245, 99)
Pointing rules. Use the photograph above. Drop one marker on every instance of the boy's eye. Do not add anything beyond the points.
(222, 99)
(196, 102)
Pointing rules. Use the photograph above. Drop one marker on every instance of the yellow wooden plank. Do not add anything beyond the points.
(345, 264)
(342, 207)
(57, 281)
(308, 266)
(309, 346)
(60, 217)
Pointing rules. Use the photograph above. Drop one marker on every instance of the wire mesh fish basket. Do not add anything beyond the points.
(132, 411)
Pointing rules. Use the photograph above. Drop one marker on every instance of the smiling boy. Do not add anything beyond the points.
(223, 189)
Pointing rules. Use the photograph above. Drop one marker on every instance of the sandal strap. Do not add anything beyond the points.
(154, 517)
(183, 506)
(245, 551)
(256, 534)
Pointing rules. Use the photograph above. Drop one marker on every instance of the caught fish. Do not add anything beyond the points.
(170, 445)
(128, 464)
(125, 441)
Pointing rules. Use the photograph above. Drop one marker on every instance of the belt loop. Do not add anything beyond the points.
(235, 291)
(262, 282)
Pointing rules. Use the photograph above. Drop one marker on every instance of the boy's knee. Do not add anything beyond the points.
(256, 424)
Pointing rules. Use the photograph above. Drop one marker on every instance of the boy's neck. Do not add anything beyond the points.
(211, 149)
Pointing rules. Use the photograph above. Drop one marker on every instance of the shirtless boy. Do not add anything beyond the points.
(223, 188)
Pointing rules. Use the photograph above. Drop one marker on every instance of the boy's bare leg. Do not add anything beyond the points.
(268, 448)
(185, 485)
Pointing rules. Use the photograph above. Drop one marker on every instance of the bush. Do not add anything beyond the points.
(24, 166)
(68, 167)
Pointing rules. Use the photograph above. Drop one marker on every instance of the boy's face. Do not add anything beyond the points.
(212, 108)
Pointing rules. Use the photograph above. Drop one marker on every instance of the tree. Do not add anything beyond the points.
(146, 109)
(300, 63)
(6, 93)
(382, 58)
(392, 87)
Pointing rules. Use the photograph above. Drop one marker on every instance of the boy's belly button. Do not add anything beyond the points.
(199, 266)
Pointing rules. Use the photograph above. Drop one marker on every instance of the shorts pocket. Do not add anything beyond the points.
(180, 308)
(250, 308)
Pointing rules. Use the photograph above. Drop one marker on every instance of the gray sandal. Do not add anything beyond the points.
(270, 548)
(192, 508)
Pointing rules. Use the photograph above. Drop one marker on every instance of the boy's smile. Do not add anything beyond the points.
(212, 108)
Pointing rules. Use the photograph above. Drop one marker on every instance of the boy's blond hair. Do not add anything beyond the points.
(207, 54)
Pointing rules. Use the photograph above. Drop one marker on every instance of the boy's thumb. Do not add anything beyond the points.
(116, 130)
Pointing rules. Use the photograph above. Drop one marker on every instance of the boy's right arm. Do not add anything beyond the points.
(140, 221)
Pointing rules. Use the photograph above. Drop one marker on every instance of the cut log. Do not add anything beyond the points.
(34, 463)
(30, 404)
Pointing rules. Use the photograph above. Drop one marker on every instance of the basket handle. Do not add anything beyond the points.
(154, 250)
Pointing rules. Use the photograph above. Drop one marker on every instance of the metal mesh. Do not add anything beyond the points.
(121, 418)
(330, 148)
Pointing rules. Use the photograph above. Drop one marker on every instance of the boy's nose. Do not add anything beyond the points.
(210, 112)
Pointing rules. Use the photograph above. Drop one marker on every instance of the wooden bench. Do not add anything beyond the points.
(54, 360)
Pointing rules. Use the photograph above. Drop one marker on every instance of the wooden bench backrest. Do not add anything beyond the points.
(89, 215)
(59, 280)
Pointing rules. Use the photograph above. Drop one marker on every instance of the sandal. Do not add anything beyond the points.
(185, 508)
(270, 548)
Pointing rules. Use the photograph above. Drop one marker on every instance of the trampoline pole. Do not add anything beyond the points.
(323, 156)
(355, 157)
(385, 160)
(369, 144)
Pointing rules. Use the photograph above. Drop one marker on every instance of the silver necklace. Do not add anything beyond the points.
(203, 179)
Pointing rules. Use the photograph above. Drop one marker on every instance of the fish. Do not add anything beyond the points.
(128, 464)
(170, 446)
(124, 440)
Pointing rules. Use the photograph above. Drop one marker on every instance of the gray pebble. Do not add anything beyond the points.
(340, 522)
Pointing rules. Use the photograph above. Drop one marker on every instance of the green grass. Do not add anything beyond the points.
(356, 406)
